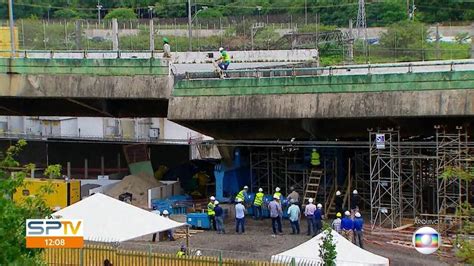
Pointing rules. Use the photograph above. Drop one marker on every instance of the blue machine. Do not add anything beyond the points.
(198, 220)
(174, 205)
(231, 179)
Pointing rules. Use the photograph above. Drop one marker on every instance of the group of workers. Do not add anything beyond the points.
(351, 226)
(223, 60)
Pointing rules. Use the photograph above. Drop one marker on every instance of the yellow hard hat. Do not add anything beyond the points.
(338, 214)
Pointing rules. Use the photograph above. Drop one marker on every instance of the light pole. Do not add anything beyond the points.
(99, 7)
(190, 22)
(150, 11)
(259, 8)
(12, 34)
(49, 8)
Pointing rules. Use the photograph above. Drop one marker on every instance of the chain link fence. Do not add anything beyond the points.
(336, 44)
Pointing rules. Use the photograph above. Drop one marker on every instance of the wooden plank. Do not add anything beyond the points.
(402, 227)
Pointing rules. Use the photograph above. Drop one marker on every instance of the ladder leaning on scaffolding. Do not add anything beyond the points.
(312, 186)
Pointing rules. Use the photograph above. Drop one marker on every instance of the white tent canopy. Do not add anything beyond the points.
(110, 220)
(347, 253)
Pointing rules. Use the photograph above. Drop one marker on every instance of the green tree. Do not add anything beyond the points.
(67, 14)
(407, 38)
(327, 249)
(121, 13)
(14, 215)
(464, 241)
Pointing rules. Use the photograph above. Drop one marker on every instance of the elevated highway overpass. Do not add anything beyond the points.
(270, 103)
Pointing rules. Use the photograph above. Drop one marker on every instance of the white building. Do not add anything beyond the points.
(128, 129)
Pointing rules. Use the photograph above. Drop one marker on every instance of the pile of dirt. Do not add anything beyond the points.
(136, 185)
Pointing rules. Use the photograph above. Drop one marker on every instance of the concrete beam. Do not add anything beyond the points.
(85, 86)
(325, 105)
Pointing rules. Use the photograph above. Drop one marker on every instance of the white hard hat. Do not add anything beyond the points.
(275, 197)
(246, 187)
(292, 188)
(314, 149)
(319, 205)
(277, 189)
(310, 200)
(239, 200)
(213, 198)
(357, 214)
(347, 213)
(216, 202)
(198, 253)
(355, 191)
(221, 49)
(338, 193)
(260, 190)
(165, 212)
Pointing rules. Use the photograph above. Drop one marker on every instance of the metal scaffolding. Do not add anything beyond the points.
(270, 168)
(361, 180)
(385, 178)
(285, 168)
(451, 151)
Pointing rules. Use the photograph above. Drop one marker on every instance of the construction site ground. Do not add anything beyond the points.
(258, 243)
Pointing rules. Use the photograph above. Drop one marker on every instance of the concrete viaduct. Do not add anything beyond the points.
(331, 102)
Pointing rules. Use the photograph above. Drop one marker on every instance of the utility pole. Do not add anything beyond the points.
(438, 38)
(99, 7)
(12, 27)
(350, 48)
(189, 26)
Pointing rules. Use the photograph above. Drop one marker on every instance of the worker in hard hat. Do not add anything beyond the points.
(224, 59)
(318, 217)
(219, 217)
(347, 225)
(169, 233)
(277, 193)
(211, 213)
(257, 204)
(358, 229)
(355, 201)
(336, 223)
(315, 158)
(338, 201)
(276, 213)
(293, 195)
(242, 195)
(181, 252)
(294, 215)
(166, 48)
(239, 217)
(309, 213)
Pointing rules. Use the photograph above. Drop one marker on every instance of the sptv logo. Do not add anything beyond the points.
(45, 233)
